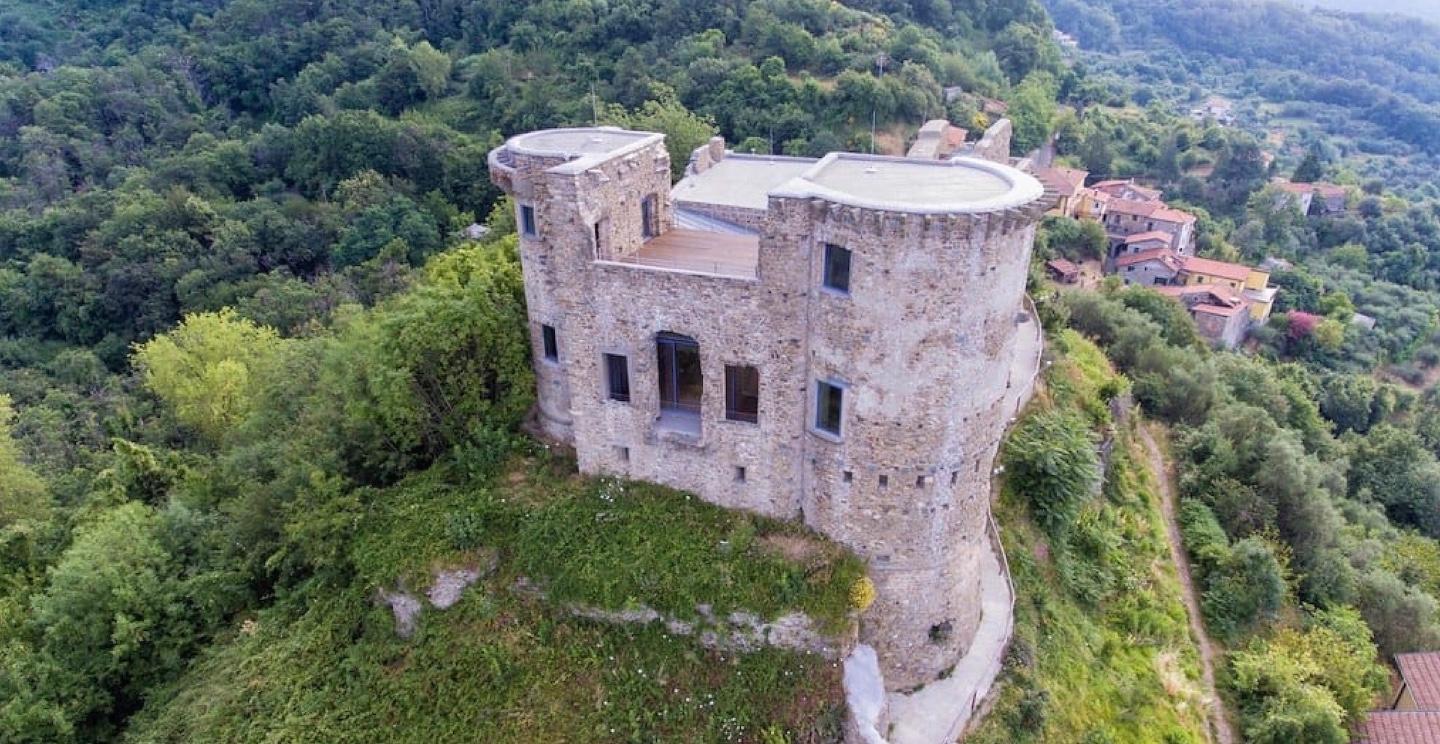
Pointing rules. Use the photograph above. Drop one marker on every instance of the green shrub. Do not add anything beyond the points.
(1248, 587)
(1052, 462)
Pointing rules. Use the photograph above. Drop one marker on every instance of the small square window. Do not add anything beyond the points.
(623, 453)
(547, 338)
(527, 221)
(920, 481)
(829, 403)
(847, 476)
(837, 268)
(884, 481)
(739, 473)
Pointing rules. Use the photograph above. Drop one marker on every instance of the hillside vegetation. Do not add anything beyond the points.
(251, 374)
(1102, 651)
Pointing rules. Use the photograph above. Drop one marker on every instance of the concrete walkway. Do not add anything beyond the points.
(938, 713)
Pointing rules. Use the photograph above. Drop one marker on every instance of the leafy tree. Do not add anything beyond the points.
(1032, 111)
(210, 369)
(1310, 169)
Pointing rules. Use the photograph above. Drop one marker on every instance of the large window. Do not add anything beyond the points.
(527, 221)
(681, 383)
(547, 339)
(617, 377)
(829, 402)
(742, 393)
(837, 268)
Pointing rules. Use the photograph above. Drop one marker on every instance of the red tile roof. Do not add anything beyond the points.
(1399, 727)
(1221, 310)
(1152, 235)
(1063, 266)
(1421, 672)
(1168, 214)
(1209, 267)
(1119, 188)
(1222, 294)
(1163, 255)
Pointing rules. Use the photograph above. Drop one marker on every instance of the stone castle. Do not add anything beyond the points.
(824, 340)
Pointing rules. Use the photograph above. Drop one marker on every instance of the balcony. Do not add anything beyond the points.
(698, 252)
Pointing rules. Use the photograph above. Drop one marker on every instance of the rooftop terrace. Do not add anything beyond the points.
(740, 181)
(726, 254)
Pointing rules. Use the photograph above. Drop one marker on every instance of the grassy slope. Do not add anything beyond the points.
(1119, 666)
(506, 665)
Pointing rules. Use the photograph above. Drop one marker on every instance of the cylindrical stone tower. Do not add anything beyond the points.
(568, 214)
(921, 344)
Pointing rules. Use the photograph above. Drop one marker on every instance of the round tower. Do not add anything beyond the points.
(918, 271)
(577, 195)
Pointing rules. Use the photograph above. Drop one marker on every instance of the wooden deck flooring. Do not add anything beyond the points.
(700, 251)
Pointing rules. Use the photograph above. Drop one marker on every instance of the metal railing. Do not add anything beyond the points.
(685, 266)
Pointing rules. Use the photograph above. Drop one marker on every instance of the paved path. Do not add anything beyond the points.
(1221, 731)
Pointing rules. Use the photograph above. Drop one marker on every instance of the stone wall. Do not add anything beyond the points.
(994, 145)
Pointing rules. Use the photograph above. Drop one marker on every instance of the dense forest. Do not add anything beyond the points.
(254, 368)
(252, 371)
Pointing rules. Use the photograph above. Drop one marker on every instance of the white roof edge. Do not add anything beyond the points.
(581, 162)
(1024, 188)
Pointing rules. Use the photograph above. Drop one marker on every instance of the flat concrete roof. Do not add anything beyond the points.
(572, 143)
(740, 180)
(958, 185)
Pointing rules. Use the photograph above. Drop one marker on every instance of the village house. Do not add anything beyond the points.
(1222, 315)
(1156, 267)
(1063, 270)
(1068, 183)
(1217, 109)
(1413, 716)
(1127, 217)
(1315, 198)
(1226, 300)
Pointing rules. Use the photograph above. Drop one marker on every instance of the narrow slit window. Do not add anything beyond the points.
(837, 268)
(884, 481)
(527, 221)
(739, 473)
(552, 347)
(742, 393)
(829, 402)
(617, 377)
(650, 216)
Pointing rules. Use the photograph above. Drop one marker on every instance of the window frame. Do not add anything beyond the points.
(831, 252)
(734, 375)
(608, 362)
(529, 221)
(817, 421)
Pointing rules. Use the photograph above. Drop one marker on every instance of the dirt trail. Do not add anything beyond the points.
(1219, 723)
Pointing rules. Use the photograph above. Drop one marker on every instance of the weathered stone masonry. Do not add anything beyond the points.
(920, 344)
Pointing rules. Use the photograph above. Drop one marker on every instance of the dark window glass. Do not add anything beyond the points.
(527, 219)
(552, 348)
(681, 384)
(828, 404)
(742, 393)
(617, 377)
(837, 267)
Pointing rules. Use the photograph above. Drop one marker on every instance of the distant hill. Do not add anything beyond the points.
(1427, 9)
